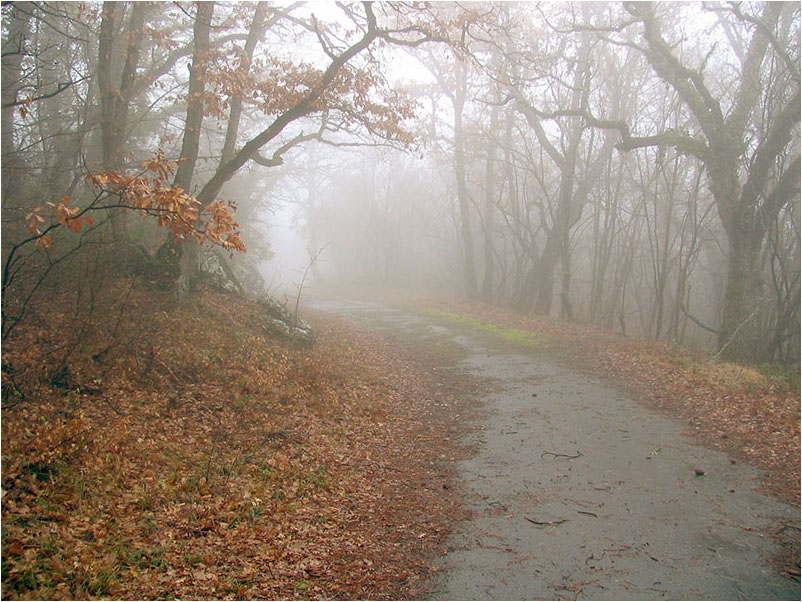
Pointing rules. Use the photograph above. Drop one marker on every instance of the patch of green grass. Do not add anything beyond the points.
(301, 586)
(242, 400)
(525, 338)
(788, 375)
(319, 479)
(254, 513)
(100, 584)
(128, 555)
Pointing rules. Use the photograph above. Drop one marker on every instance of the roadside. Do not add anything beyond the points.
(187, 452)
(752, 417)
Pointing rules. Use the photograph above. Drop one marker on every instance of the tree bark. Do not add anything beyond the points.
(747, 209)
(569, 202)
(303, 107)
(13, 52)
(197, 86)
(489, 209)
(255, 34)
(115, 101)
(188, 256)
(469, 268)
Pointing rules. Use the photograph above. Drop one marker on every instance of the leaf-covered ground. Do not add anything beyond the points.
(188, 453)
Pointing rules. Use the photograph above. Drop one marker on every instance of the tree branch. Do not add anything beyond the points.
(687, 82)
(672, 137)
(533, 117)
(787, 186)
(750, 88)
(303, 107)
(763, 159)
(777, 46)
(60, 87)
(277, 158)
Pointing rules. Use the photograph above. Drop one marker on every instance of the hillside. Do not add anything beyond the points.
(188, 452)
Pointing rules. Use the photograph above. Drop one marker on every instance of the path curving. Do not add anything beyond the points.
(577, 492)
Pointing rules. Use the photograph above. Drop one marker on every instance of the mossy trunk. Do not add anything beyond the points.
(740, 337)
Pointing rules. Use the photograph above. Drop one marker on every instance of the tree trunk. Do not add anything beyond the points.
(740, 184)
(469, 269)
(254, 35)
(13, 51)
(188, 262)
(545, 272)
(489, 209)
(569, 202)
(566, 307)
(740, 333)
(115, 101)
(197, 75)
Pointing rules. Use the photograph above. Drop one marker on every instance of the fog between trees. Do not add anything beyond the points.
(631, 165)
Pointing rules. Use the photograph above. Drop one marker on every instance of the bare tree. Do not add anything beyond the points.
(751, 179)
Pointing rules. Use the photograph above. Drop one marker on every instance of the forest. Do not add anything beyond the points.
(634, 166)
(627, 166)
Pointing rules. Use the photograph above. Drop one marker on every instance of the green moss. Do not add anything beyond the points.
(526, 338)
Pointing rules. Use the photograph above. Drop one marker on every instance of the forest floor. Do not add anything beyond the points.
(189, 453)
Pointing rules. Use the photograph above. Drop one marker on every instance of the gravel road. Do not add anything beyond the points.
(577, 492)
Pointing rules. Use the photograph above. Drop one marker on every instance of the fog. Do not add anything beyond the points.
(631, 166)
(290, 254)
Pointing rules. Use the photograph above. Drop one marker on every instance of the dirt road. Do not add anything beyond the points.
(577, 492)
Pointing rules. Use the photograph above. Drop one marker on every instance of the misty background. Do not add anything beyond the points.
(629, 165)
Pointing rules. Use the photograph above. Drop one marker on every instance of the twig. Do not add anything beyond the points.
(303, 279)
(111, 405)
(578, 454)
(69, 439)
(385, 466)
(230, 470)
(373, 462)
(546, 523)
(734, 334)
(166, 367)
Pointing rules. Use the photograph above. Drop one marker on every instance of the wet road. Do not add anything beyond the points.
(578, 492)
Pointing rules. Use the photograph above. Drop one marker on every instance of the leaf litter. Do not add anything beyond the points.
(188, 453)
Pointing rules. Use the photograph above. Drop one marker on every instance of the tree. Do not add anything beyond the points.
(572, 191)
(337, 88)
(192, 131)
(744, 141)
(14, 46)
(746, 209)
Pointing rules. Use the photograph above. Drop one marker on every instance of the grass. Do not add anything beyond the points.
(787, 375)
(524, 338)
